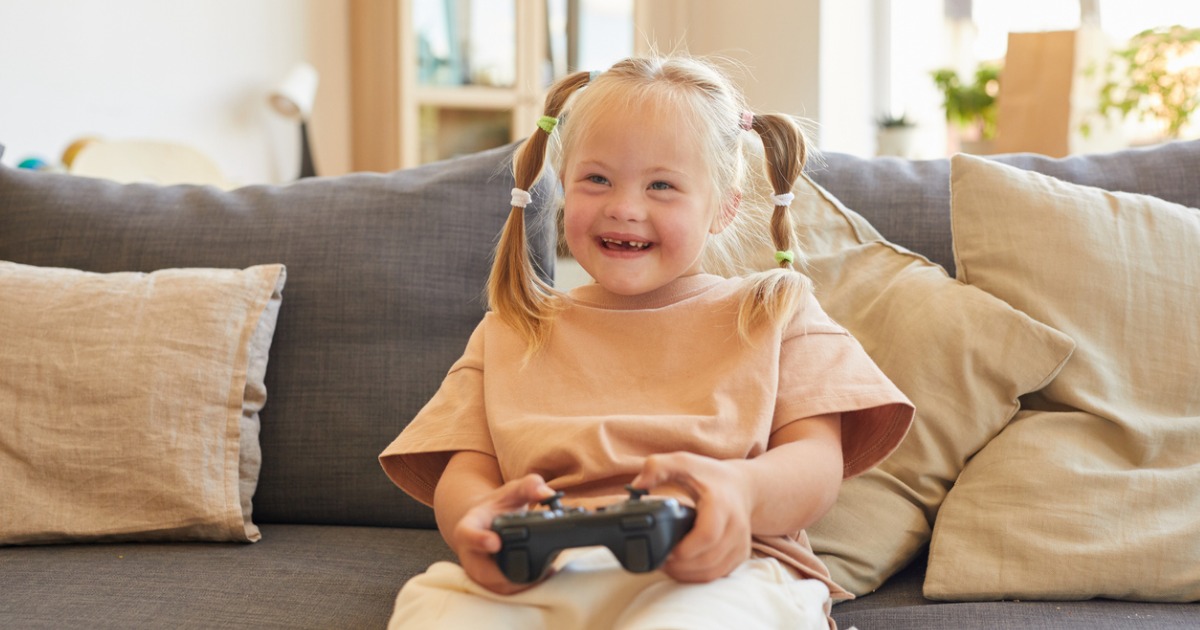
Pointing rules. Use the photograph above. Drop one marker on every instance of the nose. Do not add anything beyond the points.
(625, 206)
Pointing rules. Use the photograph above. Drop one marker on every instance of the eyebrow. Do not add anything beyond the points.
(654, 170)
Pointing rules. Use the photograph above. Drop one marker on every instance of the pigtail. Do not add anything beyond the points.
(785, 153)
(515, 292)
(774, 295)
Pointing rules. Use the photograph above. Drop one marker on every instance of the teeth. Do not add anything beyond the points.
(633, 244)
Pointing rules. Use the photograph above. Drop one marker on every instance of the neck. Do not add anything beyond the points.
(678, 289)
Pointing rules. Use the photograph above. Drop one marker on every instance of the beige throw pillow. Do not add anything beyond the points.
(962, 356)
(129, 402)
(1092, 491)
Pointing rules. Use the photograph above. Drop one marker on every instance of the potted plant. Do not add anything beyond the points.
(971, 107)
(1154, 78)
(895, 135)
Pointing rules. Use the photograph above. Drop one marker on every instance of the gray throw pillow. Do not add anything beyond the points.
(909, 201)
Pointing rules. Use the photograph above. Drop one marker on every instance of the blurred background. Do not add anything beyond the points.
(384, 84)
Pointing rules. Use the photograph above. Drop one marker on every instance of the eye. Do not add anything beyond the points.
(597, 179)
(660, 185)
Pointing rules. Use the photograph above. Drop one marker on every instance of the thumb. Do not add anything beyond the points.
(670, 469)
(529, 489)
(656, 471)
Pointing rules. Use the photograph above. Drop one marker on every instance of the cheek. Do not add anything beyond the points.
(688, 235)
(575, 225)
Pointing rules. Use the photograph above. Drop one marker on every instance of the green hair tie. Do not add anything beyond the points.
(547, 123)
(785, 256)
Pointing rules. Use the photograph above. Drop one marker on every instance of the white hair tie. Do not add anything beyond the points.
(521, 198)
(783, 200)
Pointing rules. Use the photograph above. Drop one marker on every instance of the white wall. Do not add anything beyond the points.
(190, 71)
(811, 58)
(912, 90)
(197, 71)
(778, 52)
(848, 99)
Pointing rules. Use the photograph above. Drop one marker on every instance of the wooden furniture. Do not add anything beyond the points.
(428, 84)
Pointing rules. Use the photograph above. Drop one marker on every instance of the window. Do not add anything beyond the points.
(482, 65)
(926, 35)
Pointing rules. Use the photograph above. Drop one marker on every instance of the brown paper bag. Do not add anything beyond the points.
(1046, 92)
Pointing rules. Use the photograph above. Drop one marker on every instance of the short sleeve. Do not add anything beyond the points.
(823, 369)
(453, 420)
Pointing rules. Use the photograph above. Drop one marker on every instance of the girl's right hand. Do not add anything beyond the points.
(473, 540)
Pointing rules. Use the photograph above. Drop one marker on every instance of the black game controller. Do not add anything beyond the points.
(639, 533)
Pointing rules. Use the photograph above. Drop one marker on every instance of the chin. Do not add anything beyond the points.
(620, 288)
(628, 288)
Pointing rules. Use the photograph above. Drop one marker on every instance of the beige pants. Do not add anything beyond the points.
(591, 590)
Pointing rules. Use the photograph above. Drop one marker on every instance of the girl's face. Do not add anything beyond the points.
(639, 202)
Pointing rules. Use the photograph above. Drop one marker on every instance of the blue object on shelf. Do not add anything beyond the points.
(34, 164)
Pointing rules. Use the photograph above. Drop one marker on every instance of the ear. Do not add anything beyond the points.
(729, 210)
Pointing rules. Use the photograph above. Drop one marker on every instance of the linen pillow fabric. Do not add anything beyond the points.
(386, 276)
(1091, 492)
(962, 356)
(129, 402)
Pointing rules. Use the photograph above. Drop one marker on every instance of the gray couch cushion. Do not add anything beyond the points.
(909, 201)
(1085, 615)
(298, 576)
(900, 605)
(385, 283)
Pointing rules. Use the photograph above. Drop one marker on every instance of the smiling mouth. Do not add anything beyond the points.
(623, 246)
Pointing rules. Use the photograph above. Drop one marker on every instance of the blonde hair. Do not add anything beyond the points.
(713, 107)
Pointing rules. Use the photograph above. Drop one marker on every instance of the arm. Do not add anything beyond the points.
(797, 480)
(780, 492)
(469, 494)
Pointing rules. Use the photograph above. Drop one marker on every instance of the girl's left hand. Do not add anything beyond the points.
(720, 538)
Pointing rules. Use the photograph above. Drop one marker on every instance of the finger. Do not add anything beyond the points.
(714, 563)
(475, 528)
(488, 542)
(715, 541)
(528, 489)
(475, 537)
(697, 572)
(484, 571)
(659, 470)
(697, 553)
(710, 529)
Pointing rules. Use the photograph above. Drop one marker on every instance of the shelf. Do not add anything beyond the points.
(466, 97)
(413, 63)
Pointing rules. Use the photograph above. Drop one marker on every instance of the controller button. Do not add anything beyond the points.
(641, 521)
(514, 534)
(553, 502)
(637, 555)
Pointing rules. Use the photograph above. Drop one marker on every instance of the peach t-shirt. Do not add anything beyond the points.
(621, 378)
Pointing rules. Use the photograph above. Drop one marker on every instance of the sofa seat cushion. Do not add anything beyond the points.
(899, 605)
(298, 576)
(1095, 614)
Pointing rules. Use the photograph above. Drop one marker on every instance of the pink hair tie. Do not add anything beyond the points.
(747, 121)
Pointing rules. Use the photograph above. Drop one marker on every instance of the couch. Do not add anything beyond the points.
(384, 280)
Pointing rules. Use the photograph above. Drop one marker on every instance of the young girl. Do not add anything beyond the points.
(737, 396)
